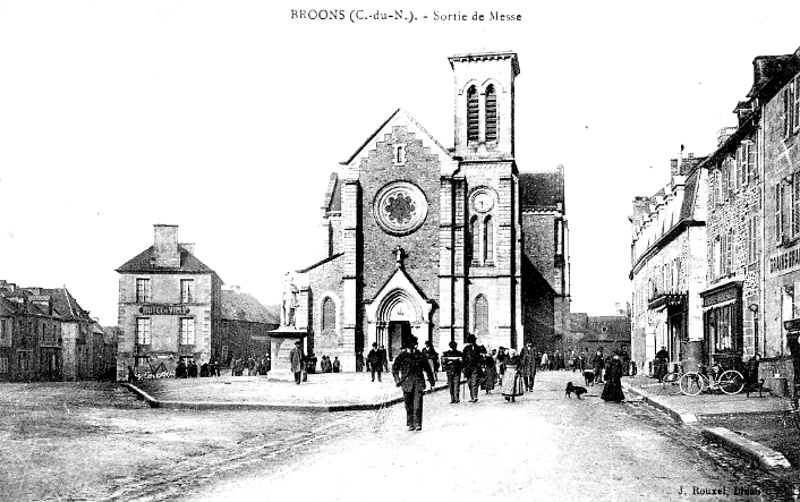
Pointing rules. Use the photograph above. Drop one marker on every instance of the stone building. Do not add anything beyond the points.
(668, 266)
(44, 335)
(774, 103)
(439, 242)
(611, 332)
(169, 307)
(245, 326)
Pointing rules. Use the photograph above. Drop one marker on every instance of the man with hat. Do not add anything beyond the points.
(409, 370)
(296, 360)
(471, 357)
(451, 360)
(528, 359)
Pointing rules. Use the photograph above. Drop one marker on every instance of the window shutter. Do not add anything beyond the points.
(796, 103)
(743, 165)
(473, 115)
(786, 110)
(752, 158)
(795, 205)
(725, 179)
(778, 213)
(491, 114)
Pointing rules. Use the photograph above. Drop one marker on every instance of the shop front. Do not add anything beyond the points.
(723, 334)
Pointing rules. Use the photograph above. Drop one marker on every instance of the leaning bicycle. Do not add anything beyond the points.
(729, 382)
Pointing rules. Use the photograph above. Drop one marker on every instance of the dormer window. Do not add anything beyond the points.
(491, 114)
(473, 115)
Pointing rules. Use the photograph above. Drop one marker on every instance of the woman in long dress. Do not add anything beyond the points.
(489, 373)
(613, 386)
(513, 381)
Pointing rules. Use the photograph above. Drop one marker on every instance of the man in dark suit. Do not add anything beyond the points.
(451, 360)
(409, 370)
(296, 361)
(527, 360)
(374, 362)
(472, 358)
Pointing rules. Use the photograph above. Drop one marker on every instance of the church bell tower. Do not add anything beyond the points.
(484, 105)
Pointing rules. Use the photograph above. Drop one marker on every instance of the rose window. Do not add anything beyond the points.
(400, 208)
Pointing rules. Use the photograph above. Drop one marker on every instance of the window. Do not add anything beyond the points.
(3, 365)
(143, 290)
(187, 291)
(5, 332)
(491, 114)
(712, 188)
(473, 115)
(473, 239)
(23, 360)
(718, 185)
(328, 316)
(728, 264)
(187, 331)
(481, 316)
(742, 157)
(488, 240)
(717, 266)
(143, 330)
(400, 154)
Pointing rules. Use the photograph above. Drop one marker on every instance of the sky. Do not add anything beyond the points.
(227, 118)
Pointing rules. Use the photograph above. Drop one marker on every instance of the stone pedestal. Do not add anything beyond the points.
(283, 340)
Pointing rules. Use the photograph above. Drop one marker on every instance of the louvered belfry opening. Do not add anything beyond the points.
(491, 114)
(473, 115)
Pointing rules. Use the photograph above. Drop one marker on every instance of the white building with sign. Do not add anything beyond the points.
(169, 308)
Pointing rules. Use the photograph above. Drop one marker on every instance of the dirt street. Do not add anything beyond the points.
(96, 442)
(543, 447)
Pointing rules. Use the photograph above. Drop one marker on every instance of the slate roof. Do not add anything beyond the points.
(245, 307)
(541, 190)
(66, 305)
(144, 263)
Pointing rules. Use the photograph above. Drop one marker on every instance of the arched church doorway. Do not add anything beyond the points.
(399, 333)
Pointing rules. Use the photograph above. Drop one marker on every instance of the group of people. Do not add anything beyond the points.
(253, 365)
(190, 369)
(576, 360)
(328, 366)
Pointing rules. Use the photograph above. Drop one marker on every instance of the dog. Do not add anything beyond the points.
(588, 376)
(579, 391)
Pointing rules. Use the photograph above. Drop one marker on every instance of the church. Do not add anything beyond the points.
(439, 242)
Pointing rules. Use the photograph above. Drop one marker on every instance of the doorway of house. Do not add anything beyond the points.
(399, 332)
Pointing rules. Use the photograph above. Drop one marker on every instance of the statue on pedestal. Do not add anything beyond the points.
(289, 302)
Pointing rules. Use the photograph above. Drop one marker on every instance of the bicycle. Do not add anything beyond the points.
(729, 382)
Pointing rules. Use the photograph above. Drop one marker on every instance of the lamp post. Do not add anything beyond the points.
(753, 307)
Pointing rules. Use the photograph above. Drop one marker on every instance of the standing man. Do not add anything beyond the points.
(374, 362)
(433, 358)
(451, 360)
(409, 371)
(528, 359)
(296, 360)
(384, 358)
(472, 367)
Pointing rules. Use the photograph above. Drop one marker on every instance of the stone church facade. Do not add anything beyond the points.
(440, 243)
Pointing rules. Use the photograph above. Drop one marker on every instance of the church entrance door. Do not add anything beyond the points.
(399, 332)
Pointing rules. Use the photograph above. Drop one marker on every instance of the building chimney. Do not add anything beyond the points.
(674, 167)
(166, 246)
(236, 289)
(188, 246)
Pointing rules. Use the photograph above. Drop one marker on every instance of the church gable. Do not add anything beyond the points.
(400, 119)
